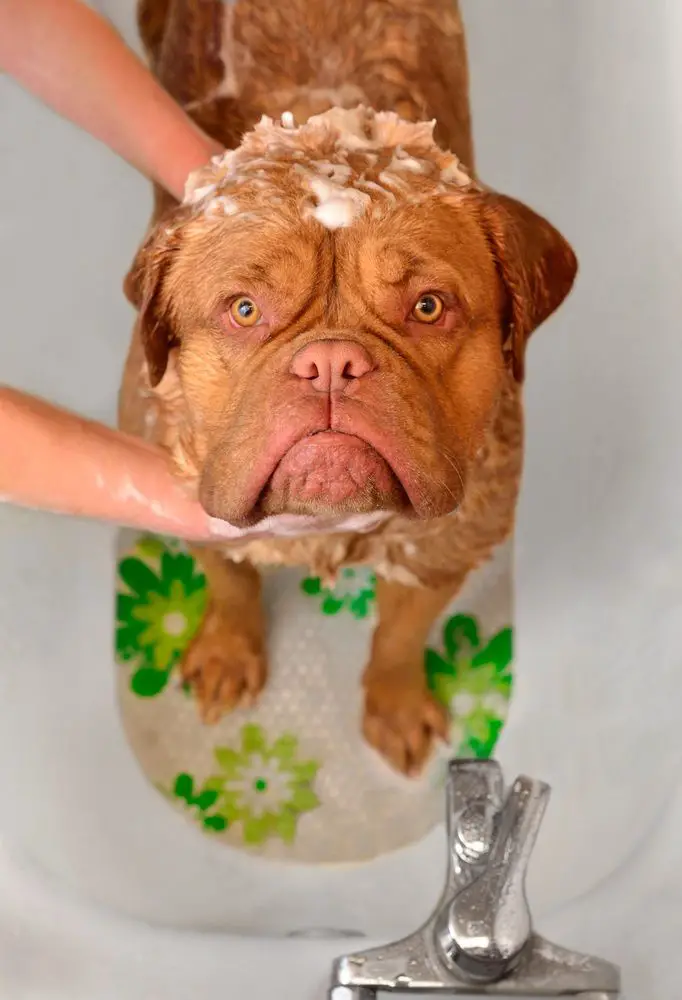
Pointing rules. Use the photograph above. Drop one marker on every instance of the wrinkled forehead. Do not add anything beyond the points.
(335, 168)
(347, 188)
(288, 261)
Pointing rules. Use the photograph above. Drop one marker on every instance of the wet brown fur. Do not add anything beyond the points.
(305, 56)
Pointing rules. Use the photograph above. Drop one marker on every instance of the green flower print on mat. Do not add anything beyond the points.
(473, 679)
(354, 592)
(264, 786)
(159, 606)
(200, 803)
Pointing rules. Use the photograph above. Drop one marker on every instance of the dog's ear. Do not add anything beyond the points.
(143, 287)
(536, 265)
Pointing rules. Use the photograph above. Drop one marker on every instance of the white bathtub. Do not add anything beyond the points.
(103, 892)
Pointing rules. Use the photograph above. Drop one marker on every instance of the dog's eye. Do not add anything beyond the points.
(244, 311)
(428, 309)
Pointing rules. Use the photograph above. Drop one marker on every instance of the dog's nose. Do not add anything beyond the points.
(331, 365)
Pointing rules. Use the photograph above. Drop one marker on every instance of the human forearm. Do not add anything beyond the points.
(74, 61)
(56, 461)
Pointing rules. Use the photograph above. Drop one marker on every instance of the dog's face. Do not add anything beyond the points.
(343, 307)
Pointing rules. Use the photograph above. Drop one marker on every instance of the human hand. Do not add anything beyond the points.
(59, 462)
(74, 61)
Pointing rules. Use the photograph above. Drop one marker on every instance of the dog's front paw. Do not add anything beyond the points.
(402, 720)
(225, 667)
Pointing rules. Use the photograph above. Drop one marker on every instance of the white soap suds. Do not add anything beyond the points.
(389, 180)
(337, 206)
(393, 130)
(292, 525)
(195, 195)
(337, 172)
(403, 161)
(228, 85)
(454, 173)
(221, 205)
(129, 491)
(336, 213)
(335, 154)
(408, 163)
(151, 418)
(375, 188)
(352, 126)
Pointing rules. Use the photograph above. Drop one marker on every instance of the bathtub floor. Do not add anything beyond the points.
(54, 948)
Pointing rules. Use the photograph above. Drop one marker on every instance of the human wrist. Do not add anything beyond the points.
(174, 147)
(192, 150)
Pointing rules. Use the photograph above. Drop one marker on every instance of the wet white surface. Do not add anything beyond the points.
(576, 110)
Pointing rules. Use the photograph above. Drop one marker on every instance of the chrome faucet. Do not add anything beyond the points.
(480, 939)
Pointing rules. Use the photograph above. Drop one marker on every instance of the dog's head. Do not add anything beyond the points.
(342, 306)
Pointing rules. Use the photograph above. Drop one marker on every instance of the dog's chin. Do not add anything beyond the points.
(332, 475)
(370, 502)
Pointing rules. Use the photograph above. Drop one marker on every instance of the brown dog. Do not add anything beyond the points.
(334, 324)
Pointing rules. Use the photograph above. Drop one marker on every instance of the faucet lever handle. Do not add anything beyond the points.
(486, 926)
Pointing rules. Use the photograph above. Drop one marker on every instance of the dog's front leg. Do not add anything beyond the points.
(226, 663)
(401, 718)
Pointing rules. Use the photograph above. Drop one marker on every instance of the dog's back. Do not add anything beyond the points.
(229, 63)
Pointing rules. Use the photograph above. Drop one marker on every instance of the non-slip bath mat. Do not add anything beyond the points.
(292, 778)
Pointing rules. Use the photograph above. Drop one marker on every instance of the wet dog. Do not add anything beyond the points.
(332, 327)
